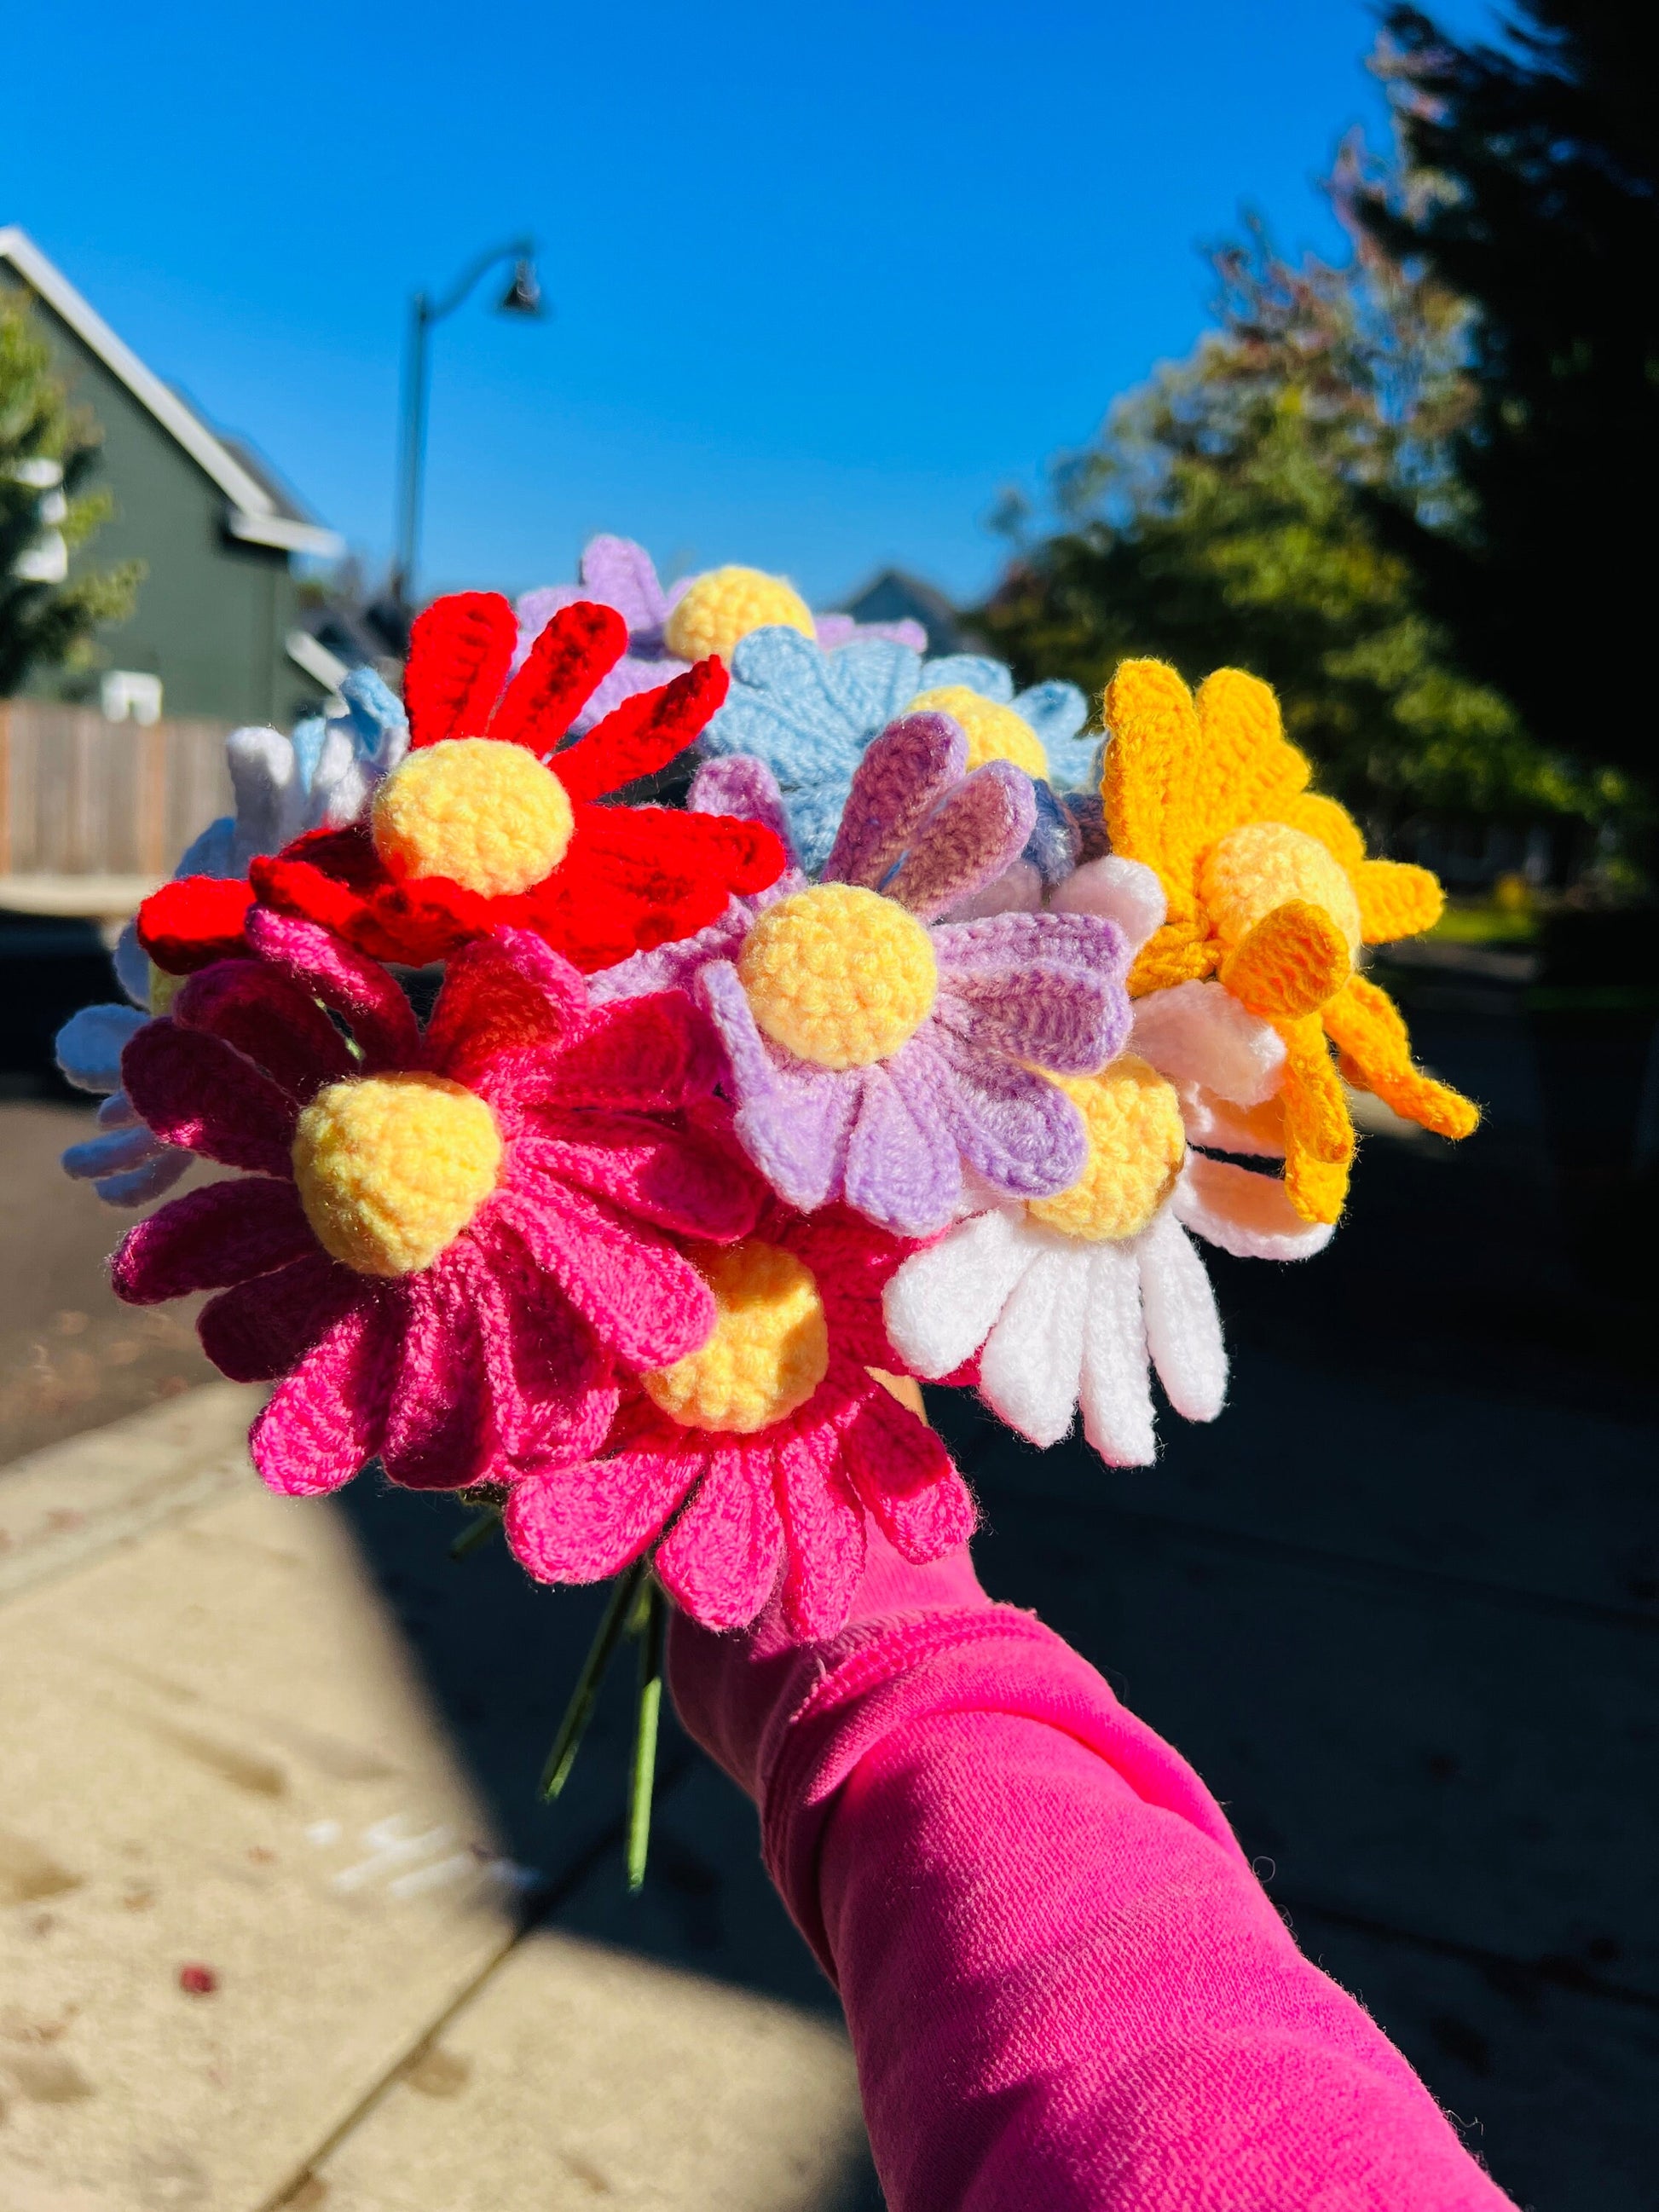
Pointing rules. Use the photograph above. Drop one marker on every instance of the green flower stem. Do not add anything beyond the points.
(643, 1781)
(579, 1711)
(478, 1530)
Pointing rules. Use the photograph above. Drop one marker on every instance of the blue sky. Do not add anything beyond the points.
(823, 286)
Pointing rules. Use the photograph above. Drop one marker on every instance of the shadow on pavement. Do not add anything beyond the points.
(1400, 1607)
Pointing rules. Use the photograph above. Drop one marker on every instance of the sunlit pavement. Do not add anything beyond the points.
(1398, 1606)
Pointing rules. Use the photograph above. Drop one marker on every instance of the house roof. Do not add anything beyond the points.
(259, 512)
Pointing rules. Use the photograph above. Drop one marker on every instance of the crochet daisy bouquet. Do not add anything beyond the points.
(604, 1162)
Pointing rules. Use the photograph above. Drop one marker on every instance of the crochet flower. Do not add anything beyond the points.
(1269, 888)
(446, 1240)
(875, 1058)
(771, 1443)
(1076, 1297)
(283, 786)
(809, 714)
(668, 630)
(474, 832)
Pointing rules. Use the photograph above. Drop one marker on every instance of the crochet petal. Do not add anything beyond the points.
(903, 1472)
(196, 1092)
(1367, 1029)
(641, 1297)
(794, 1126)
(653, 1055)
(637, 876)
(1291, 963)
(578, 647)
(975, 833)
(1245, 1213)
(1127, 893)
(623, 575)
(193, 921)
(1183, 1329)
(88, 1046)
(678, 1179)
(1319, 1140)
(1018, 890)
(674, 966)
(1015, 1130)
(459, 651)
(436, 1436)
(990, 678)
(505, 994)
(327, 1417)
(643, 734)
(943, 1303)
(853, 1261)
(903, 1168)
(902, 774)
(357, 989)
(581, 1523)
(720, 1559)
(279, 1027)
(1198, 1033)
(222, 1234)
(1117, 1399)
(743, 786)
(823, 1532)
(138, 1186)
(259, 1330)
(1060, 1018)
(553, 1396)
(1396, 900)
(1030, 1370)
(117, 1151)
(1009, 942)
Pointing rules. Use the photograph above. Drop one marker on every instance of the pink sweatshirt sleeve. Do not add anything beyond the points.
(1065, 1986)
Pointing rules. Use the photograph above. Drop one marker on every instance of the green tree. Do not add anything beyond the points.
(47, 450)
(1227, 515)
(1543, 212)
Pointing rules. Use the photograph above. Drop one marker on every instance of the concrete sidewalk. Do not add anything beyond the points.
(261, 1939)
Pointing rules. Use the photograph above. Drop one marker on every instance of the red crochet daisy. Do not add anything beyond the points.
(448, 1241)
(479, 828)
(771, 1443)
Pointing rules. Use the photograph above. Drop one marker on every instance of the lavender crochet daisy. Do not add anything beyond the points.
(713, 609)
(876, 1053)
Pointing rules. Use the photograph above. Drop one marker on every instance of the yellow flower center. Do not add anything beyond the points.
(391, 1167)
(721, 608)
(769, 1349)
(1136, 1146)
(839, 975)
(994, 732)
(487, 815)
(1249, 872)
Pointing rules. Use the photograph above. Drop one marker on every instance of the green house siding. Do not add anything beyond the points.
(212, 613)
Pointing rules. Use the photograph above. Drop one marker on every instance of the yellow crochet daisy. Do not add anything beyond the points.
(1269, 890)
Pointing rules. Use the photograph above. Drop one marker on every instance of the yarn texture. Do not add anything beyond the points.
(838, 976)
(1267, 885)
(767, 1353)
(719, 610)
(390, 1168)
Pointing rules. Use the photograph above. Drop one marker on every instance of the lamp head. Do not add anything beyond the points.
(523, 296)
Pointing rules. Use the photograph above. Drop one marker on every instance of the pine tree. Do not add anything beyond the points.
(1537, 171)
(47, 450)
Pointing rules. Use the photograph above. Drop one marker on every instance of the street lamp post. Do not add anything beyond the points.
(522, 297)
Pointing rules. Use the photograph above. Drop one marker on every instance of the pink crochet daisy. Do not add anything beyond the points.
(447, 1240)
(771, 1443)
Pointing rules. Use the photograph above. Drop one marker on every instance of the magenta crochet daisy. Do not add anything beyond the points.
(879, 1055)
(766, 1448)
(448, 1242)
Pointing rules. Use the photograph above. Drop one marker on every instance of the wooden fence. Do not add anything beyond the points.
(80, 796)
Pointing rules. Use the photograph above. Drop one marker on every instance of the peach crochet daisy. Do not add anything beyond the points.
(1269, 888)
(445, 1242)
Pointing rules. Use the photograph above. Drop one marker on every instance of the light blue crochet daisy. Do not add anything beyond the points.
(809, 714)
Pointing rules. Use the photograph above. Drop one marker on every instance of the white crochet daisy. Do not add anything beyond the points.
(1075, 1299)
